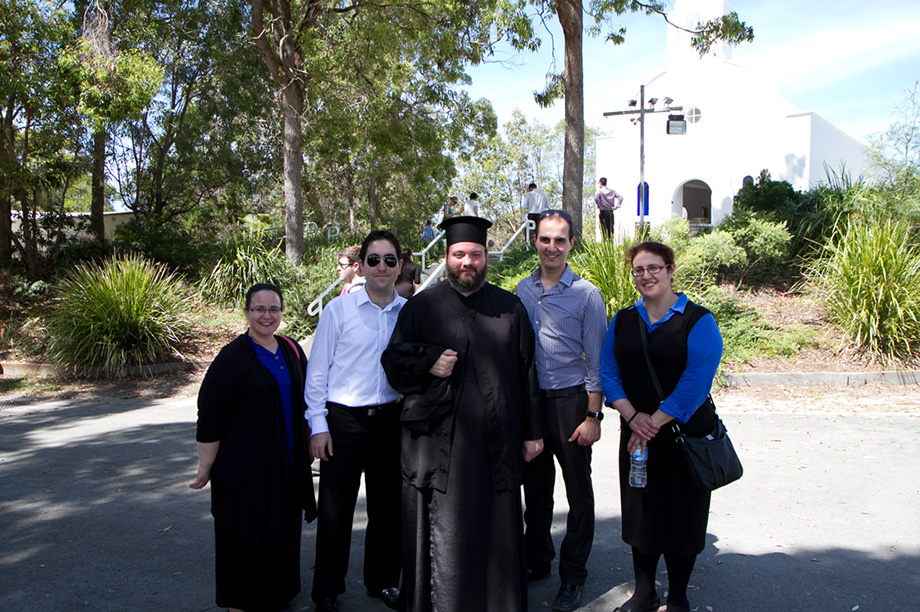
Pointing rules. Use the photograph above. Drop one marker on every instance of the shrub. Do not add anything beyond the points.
(125, 312)
(604, 264)
(161, 243)
(244, 261)
(699, 265)
(765, 242)
(869, 283)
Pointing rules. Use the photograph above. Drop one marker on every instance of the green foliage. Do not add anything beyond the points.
(177, 249)
(744, 333)
(109, 318)
(869, 283)
(700, 263)
(604, 264)
(244, 260)
(765, 243)
(517, 264)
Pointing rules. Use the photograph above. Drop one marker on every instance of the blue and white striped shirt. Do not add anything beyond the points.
(569, 321)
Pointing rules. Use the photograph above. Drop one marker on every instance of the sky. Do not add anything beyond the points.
(849, 61)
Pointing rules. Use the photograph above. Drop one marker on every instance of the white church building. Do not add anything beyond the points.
(737, 125)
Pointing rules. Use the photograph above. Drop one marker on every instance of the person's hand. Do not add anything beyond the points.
(587, 433)
(202, 478)
(634, 441)
(644, 426)
(321, 446)
(532, 448)
(443, 367)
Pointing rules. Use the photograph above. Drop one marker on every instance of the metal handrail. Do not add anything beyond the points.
(316, 306)
(424, 252)
(501, 253)
(433, 276)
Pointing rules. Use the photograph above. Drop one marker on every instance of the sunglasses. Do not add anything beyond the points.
(552, 211)
(373, 260)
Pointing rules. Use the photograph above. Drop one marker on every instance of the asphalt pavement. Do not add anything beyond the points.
(96, 514)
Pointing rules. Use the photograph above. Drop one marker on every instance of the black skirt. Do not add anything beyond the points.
(255, 577)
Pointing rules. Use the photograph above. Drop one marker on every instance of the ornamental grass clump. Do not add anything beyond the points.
(869, 283)
(113, 317)
(604, 264)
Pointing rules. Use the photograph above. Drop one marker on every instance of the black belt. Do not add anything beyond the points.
(551, 393)
(373, 410)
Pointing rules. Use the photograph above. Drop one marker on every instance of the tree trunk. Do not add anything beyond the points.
(373, 203)
(6, 224)
(97, 206)
(292, 103)
(570, 18)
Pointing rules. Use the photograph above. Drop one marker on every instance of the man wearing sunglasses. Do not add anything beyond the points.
(569, 321)
(354, 423)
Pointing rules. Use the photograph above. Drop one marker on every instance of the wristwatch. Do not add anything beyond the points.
(597, 416)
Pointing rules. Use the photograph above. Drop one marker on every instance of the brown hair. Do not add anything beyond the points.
(655, 248)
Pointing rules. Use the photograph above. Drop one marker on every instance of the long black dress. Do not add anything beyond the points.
(669, 516)
(462, 523)
(258, 492)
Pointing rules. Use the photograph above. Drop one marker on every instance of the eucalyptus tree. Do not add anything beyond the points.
(114, 85)
(403, 56)
(202, 149)
(569, 84)
(39, 135)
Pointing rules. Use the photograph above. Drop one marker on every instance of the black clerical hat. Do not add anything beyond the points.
(466, 229)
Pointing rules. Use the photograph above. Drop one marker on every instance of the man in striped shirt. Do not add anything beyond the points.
(569, 321)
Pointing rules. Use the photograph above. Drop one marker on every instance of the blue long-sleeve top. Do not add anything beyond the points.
(704, 353)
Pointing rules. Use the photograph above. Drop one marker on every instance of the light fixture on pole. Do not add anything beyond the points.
(642, 111)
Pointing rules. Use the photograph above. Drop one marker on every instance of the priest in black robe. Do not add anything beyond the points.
(462, 354)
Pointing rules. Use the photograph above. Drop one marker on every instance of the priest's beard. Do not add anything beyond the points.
(468, 284)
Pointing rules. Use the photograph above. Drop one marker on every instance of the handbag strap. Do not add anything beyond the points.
(643, 334)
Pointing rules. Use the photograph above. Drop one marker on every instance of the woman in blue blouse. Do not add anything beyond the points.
(668, 517)
(252, 447)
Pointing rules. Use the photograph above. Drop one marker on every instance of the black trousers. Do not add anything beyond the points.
(561, 415)
(606, 218)
(369, 444)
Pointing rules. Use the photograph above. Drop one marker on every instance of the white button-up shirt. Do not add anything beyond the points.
(344, 365)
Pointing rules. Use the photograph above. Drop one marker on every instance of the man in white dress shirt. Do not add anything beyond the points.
(354, 423)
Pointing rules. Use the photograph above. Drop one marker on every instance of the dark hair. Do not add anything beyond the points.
(407, 254)
(351, 252)
(473, 195)
(263, 287)
(602, 181)
(655, 248)
(557, 214)
(532, 186)
(378, 235)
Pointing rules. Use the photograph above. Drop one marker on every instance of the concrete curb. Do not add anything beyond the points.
(46, 369)
(818, 379)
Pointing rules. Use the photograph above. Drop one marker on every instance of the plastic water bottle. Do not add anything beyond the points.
(638, 460)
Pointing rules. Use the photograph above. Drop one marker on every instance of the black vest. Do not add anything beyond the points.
(667, 346)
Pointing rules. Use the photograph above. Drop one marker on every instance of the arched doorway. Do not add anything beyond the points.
(695, 197)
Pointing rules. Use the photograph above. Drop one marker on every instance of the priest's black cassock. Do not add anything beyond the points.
(462, 444)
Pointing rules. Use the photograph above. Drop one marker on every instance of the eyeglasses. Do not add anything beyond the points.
(344, 264)
(373, 260)
(651, 268)
(261, 310)
(553, 211)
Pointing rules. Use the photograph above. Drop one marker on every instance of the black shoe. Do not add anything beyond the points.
(568, 598)
(678, 606)
(326, 605)
(390, 597)
(538, 574)
(640, 604)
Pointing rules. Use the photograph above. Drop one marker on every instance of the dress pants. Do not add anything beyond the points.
(368, 443)
(606, 219)
(561, 415)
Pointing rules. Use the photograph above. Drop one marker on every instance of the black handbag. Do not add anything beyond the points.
(711, 460)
